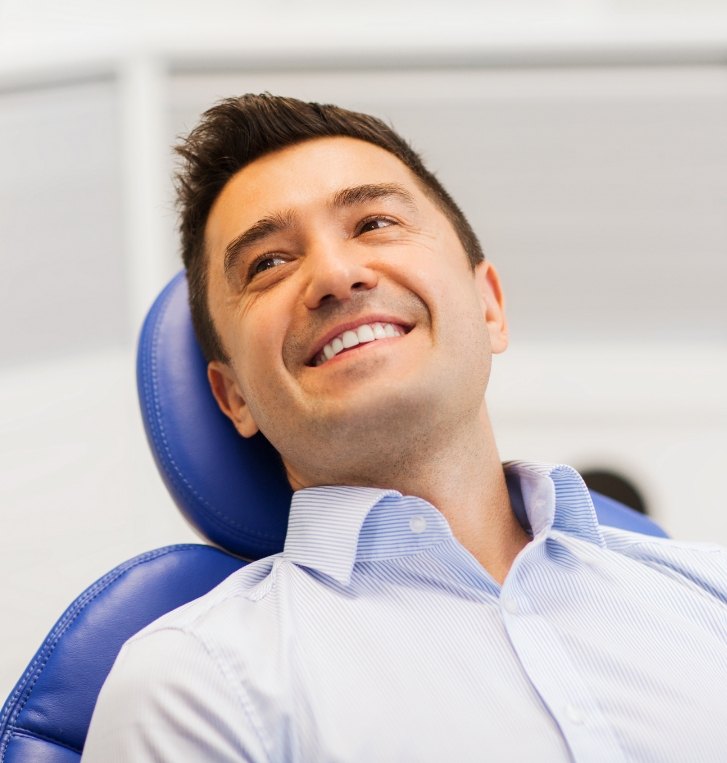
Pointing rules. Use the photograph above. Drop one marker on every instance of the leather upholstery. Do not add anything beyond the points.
(231, 489)
(614, 514)
(47, 715)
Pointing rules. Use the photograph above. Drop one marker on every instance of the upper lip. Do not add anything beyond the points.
(350, 326)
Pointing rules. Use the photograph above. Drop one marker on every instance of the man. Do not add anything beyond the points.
(429, 604)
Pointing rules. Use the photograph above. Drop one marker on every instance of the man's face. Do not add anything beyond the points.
(351, 315)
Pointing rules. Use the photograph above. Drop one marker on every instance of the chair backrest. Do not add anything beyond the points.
(232, 490)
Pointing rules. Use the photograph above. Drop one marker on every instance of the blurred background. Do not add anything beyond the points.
(586, 141)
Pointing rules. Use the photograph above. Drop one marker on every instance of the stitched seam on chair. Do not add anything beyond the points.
(35, 669)
(24, 734)
(223, 521)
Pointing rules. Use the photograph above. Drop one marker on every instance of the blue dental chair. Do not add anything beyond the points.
(233, 491)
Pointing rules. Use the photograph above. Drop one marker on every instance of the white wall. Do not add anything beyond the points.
(586, 143)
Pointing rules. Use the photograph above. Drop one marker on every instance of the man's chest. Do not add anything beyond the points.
(408, 674)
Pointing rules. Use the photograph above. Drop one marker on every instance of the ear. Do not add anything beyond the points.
(227, 393)
(493, 304)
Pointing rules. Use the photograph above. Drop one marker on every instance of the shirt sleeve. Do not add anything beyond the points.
(167, 699)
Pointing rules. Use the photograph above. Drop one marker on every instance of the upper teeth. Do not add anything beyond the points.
(368, 332)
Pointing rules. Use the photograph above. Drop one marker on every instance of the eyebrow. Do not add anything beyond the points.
(349, 197)
(263, 228)
(275, 223)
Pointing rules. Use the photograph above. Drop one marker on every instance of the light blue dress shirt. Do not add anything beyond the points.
(375, 636)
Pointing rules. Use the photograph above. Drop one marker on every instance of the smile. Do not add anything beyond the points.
(346, 340)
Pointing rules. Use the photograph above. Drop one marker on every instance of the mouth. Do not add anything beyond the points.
(350, 338)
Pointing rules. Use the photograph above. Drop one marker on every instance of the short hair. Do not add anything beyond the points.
(236, 132)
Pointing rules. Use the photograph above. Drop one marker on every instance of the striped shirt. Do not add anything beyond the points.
(375, 636)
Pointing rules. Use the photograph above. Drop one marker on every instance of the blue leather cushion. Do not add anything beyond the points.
(232, 490)
(47, 715)
(615, 514)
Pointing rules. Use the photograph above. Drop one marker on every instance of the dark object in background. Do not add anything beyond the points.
(615, 486)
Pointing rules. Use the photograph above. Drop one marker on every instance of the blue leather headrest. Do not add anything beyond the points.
(232, 490)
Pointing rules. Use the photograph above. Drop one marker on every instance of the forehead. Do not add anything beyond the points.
(300, 177)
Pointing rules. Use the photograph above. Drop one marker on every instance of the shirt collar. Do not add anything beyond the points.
(324, 526)
(549, 497)
(332, 527)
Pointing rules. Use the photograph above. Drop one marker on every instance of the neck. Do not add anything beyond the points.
(461, 475)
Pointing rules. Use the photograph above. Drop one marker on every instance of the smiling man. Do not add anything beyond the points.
(345, 301)
(429, 604)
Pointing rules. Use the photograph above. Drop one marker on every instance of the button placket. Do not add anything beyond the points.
(547, 663)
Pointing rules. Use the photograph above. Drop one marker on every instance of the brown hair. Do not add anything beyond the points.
(236, 132)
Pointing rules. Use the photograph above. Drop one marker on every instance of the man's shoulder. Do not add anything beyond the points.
(632, 542)
(703, 564)
(236, 597)
(177, 685)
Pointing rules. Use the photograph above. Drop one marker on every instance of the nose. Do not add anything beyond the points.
(335, 275)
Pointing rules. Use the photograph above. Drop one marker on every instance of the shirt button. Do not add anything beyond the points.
(510, 605)
(573, 714)
(417, 525)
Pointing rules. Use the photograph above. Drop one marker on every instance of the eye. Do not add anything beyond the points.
(374, 223)
(266, 262)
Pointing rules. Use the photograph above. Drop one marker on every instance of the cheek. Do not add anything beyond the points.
(455, 297)
(260, 354)
(253, 355)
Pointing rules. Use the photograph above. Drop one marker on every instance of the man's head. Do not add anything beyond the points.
(236, 132)
(357, 326)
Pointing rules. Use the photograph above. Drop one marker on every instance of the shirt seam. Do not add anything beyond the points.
(239, 692)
